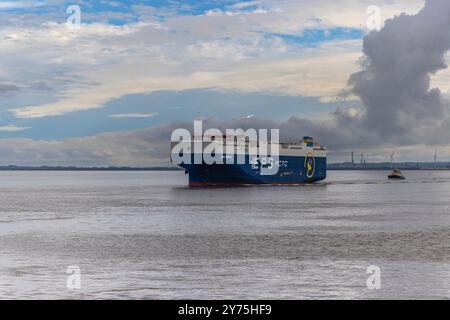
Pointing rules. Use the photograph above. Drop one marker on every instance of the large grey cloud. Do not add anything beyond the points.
(394, 84)
(400, 108)
(151, 146)
(7, 88)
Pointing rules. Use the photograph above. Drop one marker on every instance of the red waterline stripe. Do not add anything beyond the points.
(224, 184)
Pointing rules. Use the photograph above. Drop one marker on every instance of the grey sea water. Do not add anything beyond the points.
(145, 235)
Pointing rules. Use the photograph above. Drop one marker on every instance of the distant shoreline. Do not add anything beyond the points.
(48, 168)
(331, 167)
(387, 169)
(389, 166)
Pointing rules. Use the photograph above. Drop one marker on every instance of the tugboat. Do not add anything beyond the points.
(396, 174)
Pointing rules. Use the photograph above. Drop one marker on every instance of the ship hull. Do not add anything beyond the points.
(291, 170)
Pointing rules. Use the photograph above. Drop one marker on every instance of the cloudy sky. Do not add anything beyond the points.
(111, 91)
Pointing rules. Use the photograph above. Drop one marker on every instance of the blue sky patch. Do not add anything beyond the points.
(313, 37)
(165, 107)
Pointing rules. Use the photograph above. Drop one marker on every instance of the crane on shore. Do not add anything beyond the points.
(392, 159)
(435, 158)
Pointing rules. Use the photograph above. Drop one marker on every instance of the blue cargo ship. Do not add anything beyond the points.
(296, 163)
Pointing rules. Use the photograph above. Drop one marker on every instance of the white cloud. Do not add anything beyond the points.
(99, 63)
(293, 16)
(12, 128)
(441, 79)
(146, 147)
(320, 72)
(246, 4)
(20, 4)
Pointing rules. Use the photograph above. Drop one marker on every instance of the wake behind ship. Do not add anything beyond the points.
(298, 163)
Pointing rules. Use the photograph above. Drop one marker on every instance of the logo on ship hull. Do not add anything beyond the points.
(310, 164)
